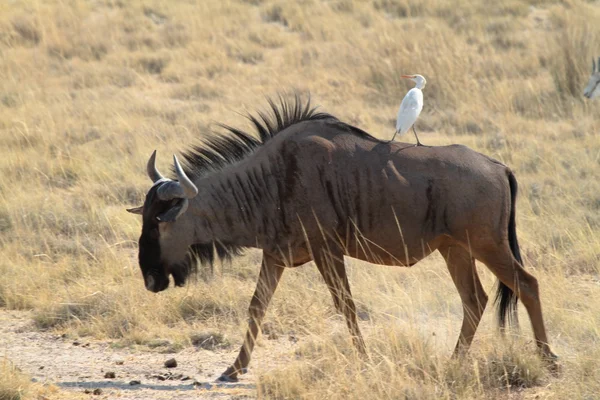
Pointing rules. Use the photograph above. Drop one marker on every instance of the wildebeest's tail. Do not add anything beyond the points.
(506, 299)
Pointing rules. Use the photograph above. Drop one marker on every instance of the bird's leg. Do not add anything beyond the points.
(393, 137)
(418, 142)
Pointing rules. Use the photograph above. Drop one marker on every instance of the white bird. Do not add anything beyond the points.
(411, 107)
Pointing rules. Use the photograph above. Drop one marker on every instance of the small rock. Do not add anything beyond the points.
(169, 376)
(171, 363)
(76, 343)
(159, 377)
(42, 367)
(135, 382)
(119, 361)
(110, 375)
(97, 391)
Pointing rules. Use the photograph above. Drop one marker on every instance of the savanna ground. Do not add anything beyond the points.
(89, 88)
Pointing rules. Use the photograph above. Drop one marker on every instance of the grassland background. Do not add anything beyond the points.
(89, 88)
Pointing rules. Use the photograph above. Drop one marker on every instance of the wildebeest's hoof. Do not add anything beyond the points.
(230, 375)
(548, 355)
(553, 362)
(227, 378)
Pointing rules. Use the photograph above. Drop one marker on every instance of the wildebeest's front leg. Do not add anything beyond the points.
(269, 277)
(332, 268)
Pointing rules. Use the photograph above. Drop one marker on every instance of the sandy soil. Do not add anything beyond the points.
(80, 365)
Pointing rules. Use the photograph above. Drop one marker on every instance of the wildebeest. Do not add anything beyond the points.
(313, 188)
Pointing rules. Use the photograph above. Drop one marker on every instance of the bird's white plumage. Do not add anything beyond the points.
(409, 111)
(410, 108)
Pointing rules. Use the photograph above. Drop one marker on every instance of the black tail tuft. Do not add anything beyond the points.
(506, 298)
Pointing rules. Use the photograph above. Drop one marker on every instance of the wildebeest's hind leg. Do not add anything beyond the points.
(268, 278)
(461, 266)
(332, 268)
(509, 271)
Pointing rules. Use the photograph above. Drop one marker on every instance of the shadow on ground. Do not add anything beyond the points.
(121, 385)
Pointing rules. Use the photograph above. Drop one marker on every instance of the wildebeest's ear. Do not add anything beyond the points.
(174, 212)
(136, 210)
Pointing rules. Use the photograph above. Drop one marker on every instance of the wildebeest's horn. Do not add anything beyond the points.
(188, 186)
(184, 189)
(170, 190)
(151, 168)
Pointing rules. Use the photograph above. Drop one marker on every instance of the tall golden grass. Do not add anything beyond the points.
(89, 89)
(16, 385)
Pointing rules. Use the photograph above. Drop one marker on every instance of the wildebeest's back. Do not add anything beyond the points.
(370, 193)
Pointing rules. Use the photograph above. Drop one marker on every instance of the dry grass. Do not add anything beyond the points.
(16, 385)
(89, 89)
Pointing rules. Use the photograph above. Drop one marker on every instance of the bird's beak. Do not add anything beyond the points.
(408, 76)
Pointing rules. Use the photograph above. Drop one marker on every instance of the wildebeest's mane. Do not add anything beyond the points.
(232, 145)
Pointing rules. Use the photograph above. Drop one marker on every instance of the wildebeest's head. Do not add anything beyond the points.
(166, 233)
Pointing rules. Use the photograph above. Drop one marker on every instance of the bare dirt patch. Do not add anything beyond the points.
(83, 365)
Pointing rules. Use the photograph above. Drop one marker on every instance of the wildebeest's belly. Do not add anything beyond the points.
(392, 251)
